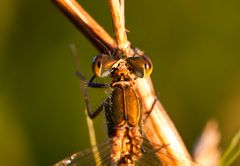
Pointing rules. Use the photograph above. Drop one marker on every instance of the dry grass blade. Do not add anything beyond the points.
(92, 135)
(122, 8)
(232, 153)
(117, 12)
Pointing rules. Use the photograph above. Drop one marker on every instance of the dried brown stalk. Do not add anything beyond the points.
(158, 128)
(117, 12)
(86, 24)
(207, 150)
(122, 8)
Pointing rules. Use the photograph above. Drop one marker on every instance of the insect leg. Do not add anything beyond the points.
(96, 112)
(151, 109)
(84, 84)
(149, 112)
(91, 83)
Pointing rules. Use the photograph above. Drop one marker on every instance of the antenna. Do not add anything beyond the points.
(109, 52)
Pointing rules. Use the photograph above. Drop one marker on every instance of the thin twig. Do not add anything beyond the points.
(158, 128)
(122, 8)
(117, 10)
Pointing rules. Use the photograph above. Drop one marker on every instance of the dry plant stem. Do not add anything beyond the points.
(92, 135)
(86, 24)
(117, 10)
(159, 128)
(207, 150)
(122, 8)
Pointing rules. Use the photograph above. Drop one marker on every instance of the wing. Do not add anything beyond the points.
(95, 156)
(156, 154)
(100, 155)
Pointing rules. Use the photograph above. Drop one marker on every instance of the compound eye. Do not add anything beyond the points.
(97, 64)
(141, 65)
(102, 65)
(148, 66)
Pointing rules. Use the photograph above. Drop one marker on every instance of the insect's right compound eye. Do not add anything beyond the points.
(141, 65)
(102, 65)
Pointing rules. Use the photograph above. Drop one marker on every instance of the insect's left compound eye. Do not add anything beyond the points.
(141, 65)
(102, 65)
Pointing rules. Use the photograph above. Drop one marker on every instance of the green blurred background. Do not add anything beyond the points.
(194, 46)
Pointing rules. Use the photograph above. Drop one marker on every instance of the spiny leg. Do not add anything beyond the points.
(150, 111)
(84, 84)
(91, 83)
